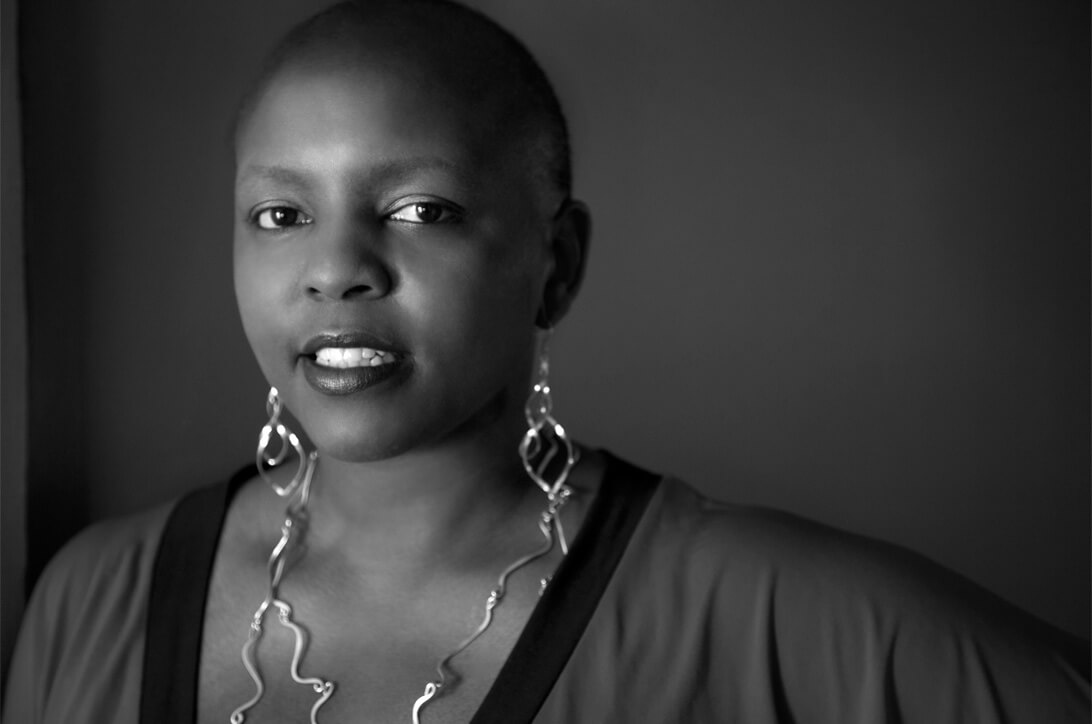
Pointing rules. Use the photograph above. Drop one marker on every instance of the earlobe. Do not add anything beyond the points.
(571, 237)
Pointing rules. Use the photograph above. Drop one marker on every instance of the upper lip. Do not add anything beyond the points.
(348, 339)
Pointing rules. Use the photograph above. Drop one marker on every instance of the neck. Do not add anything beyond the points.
(429, 507)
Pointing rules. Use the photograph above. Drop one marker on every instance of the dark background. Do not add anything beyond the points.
(840, 264)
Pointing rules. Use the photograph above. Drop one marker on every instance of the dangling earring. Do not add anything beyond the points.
(545, 438)
(292, 530)
(288, 439)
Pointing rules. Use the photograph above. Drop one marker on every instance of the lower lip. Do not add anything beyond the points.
(349, 380)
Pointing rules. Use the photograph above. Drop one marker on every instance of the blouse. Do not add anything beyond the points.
(670, 607)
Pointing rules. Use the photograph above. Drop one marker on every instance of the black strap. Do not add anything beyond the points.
(183, 567)
(559, 620)
(176, 603)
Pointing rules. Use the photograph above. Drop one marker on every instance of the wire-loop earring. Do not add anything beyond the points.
(288, 441)
(545, 437)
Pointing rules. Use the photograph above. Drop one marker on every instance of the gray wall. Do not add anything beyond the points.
(13, 351)
(840, 263)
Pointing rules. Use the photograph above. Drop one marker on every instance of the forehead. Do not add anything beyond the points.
(374, 110)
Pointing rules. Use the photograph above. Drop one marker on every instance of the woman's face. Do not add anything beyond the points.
(390, 258)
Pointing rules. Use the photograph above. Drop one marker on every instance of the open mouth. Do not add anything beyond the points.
(349, 357)
(342, 364)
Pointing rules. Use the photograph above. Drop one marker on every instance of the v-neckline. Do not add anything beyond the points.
(191, 536)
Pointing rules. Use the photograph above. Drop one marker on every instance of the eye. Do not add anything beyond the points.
(424, 212)
(280, 217)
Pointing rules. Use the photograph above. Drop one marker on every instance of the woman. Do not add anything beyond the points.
(404, 240)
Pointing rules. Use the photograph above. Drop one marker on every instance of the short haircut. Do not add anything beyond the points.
(547, 136)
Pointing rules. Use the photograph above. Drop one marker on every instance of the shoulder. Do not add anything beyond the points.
(799, 558)
(115, 554)
(109, 556)
(80, 644)
(809, 570)
(823, 620)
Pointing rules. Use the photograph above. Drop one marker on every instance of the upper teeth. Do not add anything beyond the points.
(352, 357)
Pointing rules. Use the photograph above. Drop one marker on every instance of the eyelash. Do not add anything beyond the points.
(269, 210)
(447, 214)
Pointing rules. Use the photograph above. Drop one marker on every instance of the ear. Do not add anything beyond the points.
(571, 236)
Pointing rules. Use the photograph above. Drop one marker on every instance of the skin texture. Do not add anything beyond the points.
(383, 188)
(346, 141)
(346, 135)
(456, 298)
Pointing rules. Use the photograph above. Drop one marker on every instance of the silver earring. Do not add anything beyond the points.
(292, 530)
(545, 439)
(288, 441)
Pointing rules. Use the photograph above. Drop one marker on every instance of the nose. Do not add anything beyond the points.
(344, 262)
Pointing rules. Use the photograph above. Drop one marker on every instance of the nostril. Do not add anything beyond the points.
(356, 291)
(333, 277)
(351, 292)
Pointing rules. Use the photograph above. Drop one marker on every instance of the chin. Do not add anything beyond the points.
(359, 443)
(356, 440)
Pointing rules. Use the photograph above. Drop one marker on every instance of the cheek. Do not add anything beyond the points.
(486, 294)
(257, 290)
(479, 313)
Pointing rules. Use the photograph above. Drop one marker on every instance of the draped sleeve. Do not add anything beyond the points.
(698, 612)
(722, 613)
(80, 649)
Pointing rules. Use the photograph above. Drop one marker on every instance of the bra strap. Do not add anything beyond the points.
(176, 603)
(559, 619)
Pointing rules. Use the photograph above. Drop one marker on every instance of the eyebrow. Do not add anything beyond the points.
(280, 174)
(384, 170)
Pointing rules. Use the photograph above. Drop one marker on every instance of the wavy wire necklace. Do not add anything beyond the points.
(298, 491)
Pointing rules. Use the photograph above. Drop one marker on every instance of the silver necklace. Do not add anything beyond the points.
(292, 531)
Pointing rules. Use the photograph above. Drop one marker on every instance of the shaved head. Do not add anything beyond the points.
(466, 57)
